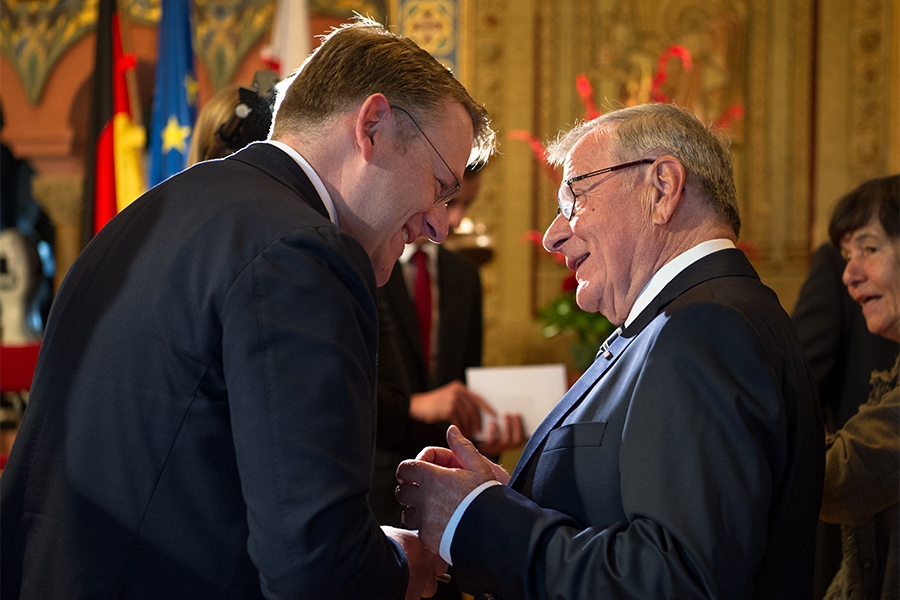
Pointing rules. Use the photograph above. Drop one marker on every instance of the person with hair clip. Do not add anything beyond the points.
(232, 118)
(206, 143)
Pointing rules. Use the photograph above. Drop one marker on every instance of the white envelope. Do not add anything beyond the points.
(531, 390)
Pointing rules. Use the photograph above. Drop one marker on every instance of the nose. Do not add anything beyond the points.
(557, 234)
(854, 273)
(435, 223)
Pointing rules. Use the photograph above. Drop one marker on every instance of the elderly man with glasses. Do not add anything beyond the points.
(687, 462)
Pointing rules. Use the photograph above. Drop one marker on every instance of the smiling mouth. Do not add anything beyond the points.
(405, 233)
(579, 261)
(864, 300)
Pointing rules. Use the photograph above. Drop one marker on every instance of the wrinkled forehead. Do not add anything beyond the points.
(871, 232)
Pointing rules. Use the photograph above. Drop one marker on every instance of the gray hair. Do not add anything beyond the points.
(652, 130)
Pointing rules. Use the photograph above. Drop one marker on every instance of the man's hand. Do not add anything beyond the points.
(433, 485)
(424, 566)
(453, 402)
(498, 439)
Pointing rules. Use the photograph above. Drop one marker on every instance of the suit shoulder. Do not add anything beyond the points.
(742, 295)
(743, 322)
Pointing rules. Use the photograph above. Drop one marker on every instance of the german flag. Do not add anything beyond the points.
(113, 177)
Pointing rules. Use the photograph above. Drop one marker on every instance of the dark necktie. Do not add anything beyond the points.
(422, 291)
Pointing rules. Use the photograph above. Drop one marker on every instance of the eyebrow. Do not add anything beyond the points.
(863, 236)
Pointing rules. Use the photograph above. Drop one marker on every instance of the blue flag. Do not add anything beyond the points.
(175, 100)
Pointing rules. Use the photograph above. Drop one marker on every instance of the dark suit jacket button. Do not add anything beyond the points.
(867, 565)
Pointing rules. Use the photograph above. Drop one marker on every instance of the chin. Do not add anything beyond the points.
(889, 331)
(585, 302)
(382, 275)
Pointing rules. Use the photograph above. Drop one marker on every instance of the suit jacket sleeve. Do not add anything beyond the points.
(299, 338)
(701, 451)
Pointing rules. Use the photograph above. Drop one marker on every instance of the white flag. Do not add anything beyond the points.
(289, 43)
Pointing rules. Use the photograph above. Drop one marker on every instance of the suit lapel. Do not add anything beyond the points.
(572, 397)
(724, 263)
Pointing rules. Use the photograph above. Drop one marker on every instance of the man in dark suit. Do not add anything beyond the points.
(202, 419)
(687, 462)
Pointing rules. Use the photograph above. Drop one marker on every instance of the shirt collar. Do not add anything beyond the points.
(313, 177)
(670, 270)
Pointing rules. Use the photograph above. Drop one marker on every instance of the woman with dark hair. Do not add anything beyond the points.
(862, 471)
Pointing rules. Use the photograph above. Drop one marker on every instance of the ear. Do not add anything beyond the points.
(668, 180)
(373, 120)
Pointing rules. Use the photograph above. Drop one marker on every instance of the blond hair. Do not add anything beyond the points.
(214, 113)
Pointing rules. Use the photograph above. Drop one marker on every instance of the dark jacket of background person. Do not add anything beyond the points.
(211, 401)
(459, 346)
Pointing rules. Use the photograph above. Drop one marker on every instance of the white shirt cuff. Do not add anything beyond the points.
(450, 530)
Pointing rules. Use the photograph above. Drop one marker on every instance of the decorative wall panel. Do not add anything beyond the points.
(434, 25)
(798, 130)
(34, 34)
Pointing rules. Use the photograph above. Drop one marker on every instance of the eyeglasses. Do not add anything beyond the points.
(446, 194)
(566, 196)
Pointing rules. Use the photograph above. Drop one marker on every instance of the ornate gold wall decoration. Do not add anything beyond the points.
(376, 9)
(35, 34)
(629, 38)
(225, 30)
(870, 37)
(145, 12)
(484, 78)
(434, 25)
(756, 54)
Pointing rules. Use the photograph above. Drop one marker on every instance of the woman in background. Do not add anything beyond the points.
(862, 465)
(213, 115)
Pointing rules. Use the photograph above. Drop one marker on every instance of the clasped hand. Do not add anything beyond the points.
(434, 484)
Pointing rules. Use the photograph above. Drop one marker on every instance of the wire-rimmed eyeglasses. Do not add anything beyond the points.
(566, 196)
(446, 194)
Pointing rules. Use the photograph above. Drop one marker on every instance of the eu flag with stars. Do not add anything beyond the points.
(175, 100)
